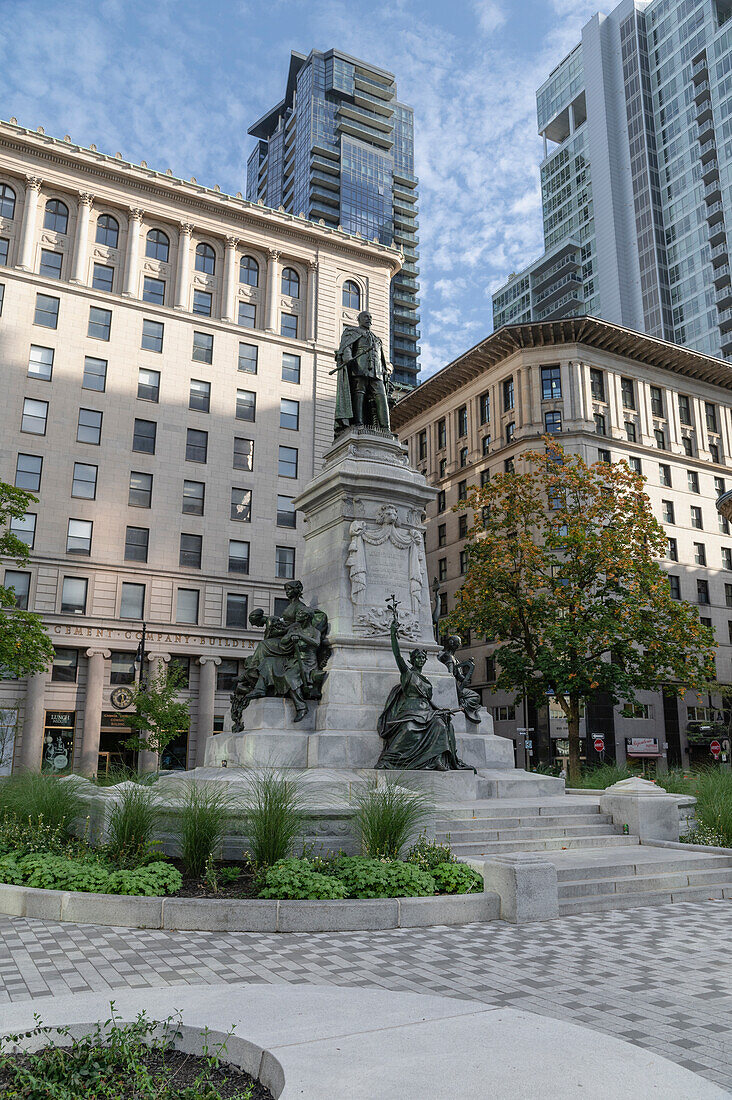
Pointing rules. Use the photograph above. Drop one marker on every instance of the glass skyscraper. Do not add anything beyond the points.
(340, 147)
(636, 179)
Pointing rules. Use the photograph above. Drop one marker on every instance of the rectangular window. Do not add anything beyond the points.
(462, 490)
(289, 414)
(144, 436)
(692, 478)
(103, 278)
(696, 517)
(182, 665)
(710, 415)
(441, 434)
(630, 432)
(673, 550)
(196, 445)
(19, 582)
(600, 426)
(700, 553)
(2, 297)
(463, 456)
(288, 325)
(664, 475)
(140, 495)
(442, 534)
(136, 543)
(285, 562)
(290, 367)
(552, 422)
(191, 548)
(28, 472)
(247, 315)
(504, 713)
(100, 323)
(73, 596)
(199, 397)
(4, 246)
(193, 498)
(604, 456)
(719, 486)
(248, 354)
(40, 363)
(65, 666)
(441, 501)
(443, 468)
(238, 556)
(660, 437)
(714, 453)
(726, 558)
(46, 313)
(490, 669)
(486, 445)
(152, 336)
(237, 606)
(227, 674)
(462, 527)
(635, 464)
(122, 668)
(510, 432)
(551, 383)
(24, 528)
(148, 385)
(507, 394)
(688, 444)
(723, 524)
(286, 515)
(95, 374)
(627, 389)
(656, 401)
(422, 445)
(461, 418)
(684, 409)
(728, 595)
(35, 415)
(84, 481)
(202, 302)
(246, 405)
(702, 592)
(241, 505)
(89, 428)
(202, 347)
(243, 453)
(485, 476)
(79, 536)
(484, 408)
(442, 569)
(597, 384)
(132, 601)
(187, 605)
(153, 291)
(674, 584)
(50, 264)
(287, 462)
(637, 710)
(463, 562)
(667, 511)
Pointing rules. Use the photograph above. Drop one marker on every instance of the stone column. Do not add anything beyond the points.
(184, 265)
(228, 301)
(28, 228)
(133, 253)
(273, 289)
(206, 697)
(89, 755)
(311, 328)
(82, 238)
(31, 748)
(147, 761)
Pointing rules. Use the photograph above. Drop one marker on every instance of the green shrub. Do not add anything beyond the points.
(604, 775)
(713, 790)
(295, 879)
(204, 816)
(151, 881)
(274, 810)
(131, 824)
(428, 853)
(27, 836)
(457, 878)
(387, 816)
(372, 878)
(52, 872)
(40, 799)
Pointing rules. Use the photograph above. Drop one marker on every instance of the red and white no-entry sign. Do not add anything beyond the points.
(715, 748)
(599, 744)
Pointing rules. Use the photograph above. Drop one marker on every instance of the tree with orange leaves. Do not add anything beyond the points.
(564, 575)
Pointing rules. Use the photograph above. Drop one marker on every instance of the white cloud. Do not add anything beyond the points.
(490, 15)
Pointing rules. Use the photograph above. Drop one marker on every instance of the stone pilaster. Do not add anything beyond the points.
(311, 326)
(28, 228)
(89, 755)
(132, 261)
(81, 241)
(206, 703)
(228, 303)
(31, 745)
(273, 289)
(184, 265)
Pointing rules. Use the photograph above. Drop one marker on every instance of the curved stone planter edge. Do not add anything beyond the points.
(229, 915)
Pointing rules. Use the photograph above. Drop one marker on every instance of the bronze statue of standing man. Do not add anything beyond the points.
(364, 379)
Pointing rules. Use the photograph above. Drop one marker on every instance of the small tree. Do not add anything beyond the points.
(563, 574)
(159, 715)
(25, 647)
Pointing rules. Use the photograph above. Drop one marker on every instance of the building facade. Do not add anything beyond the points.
(339, 148)
(609, 395)
(165, 357)
(635, 179)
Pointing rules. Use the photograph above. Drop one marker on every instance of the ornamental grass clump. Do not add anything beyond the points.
(713, 790)
(204, 816)
(131, 825)
(275, 810)
(387, 817)
(602, 776)
(40, 799)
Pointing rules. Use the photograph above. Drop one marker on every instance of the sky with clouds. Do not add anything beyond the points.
(177, 83)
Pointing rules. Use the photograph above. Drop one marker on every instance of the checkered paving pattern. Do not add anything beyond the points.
(658, 977)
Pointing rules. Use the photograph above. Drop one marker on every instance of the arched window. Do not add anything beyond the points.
(351, 295)
(56, 216)
(7, 201)
(205, 259)
(291, 283)
(107, 230)
(249, 271)
(158, 245)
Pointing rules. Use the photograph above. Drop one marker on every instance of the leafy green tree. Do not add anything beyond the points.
(25, 647)
(564, 575)
(158, 716)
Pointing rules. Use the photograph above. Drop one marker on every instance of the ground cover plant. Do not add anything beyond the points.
(119, 1060)
(362, 877)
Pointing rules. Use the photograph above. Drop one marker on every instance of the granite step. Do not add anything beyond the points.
(478, 811)
(568, 906)
(631, 868)
(531, 821)
(498, 847)
(503, 832)
(643, 883)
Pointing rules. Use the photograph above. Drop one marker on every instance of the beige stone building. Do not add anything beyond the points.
(609, 394)
(165, 359)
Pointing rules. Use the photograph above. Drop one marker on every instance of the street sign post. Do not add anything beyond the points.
(599, 744)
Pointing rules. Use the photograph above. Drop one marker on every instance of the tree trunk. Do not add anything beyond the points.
(573, 721)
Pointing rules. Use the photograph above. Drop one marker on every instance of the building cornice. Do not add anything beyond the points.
(586, 332)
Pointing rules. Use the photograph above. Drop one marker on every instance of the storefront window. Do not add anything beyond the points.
(58, 740)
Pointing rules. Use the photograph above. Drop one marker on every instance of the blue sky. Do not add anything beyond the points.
(177, 84)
